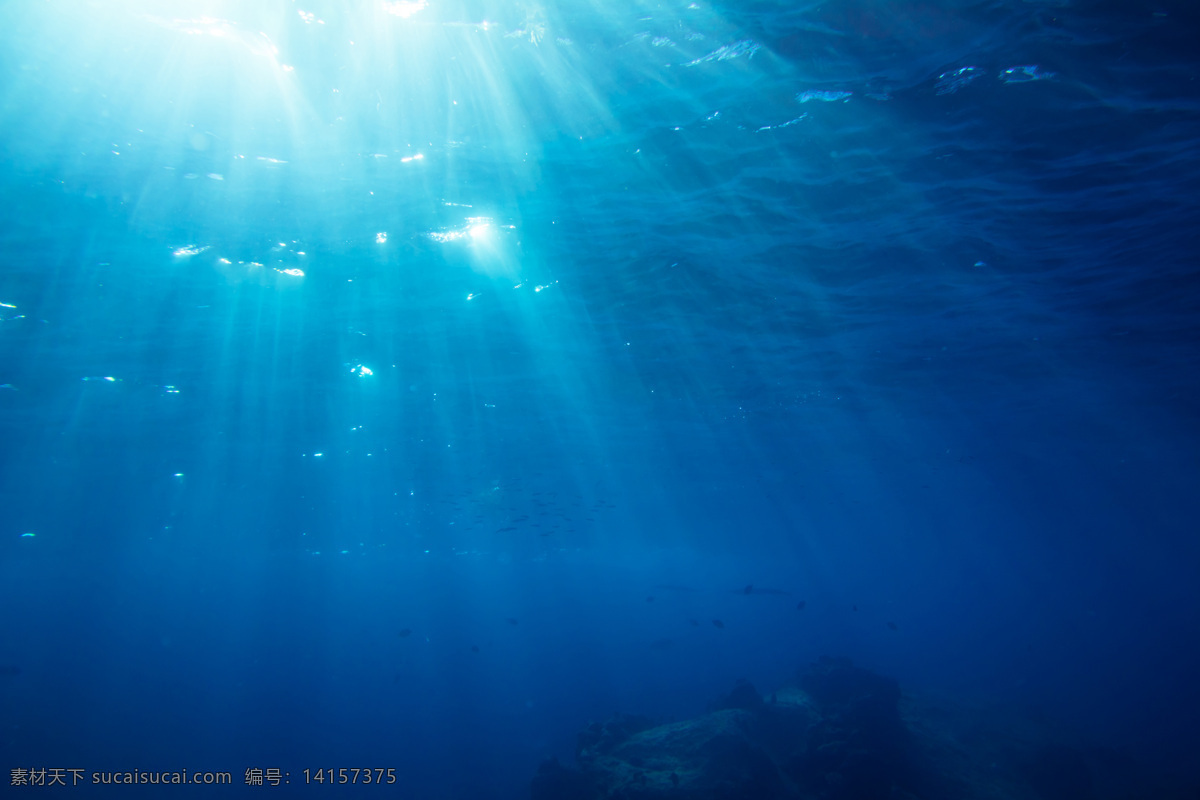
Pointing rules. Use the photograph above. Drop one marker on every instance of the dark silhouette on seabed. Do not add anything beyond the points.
(839, 732)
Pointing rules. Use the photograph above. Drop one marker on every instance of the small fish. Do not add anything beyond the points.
(749, 589)
(856, 608)
(650, 599)
(694, 623)
(892, 625)
(474, 648)
(405, 632)
(800, 606)
(674, 779)
(509, 528)
(718, 624)
(511, 620)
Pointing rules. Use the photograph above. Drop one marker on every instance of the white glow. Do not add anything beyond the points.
(404, 8)
(256, 44)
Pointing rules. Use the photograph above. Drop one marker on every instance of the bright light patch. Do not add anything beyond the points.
(259, 45)
(362, 371)
(189, 250)
(381, 238)
(477, 228)
(746, 47)
(404, 8)
(823, 96)
(298, 273)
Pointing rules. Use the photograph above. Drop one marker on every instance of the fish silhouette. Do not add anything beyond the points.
(751, 589)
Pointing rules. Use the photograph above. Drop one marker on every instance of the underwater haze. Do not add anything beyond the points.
(406, 385)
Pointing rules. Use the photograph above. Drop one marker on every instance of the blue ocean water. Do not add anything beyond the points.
(405, 385)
